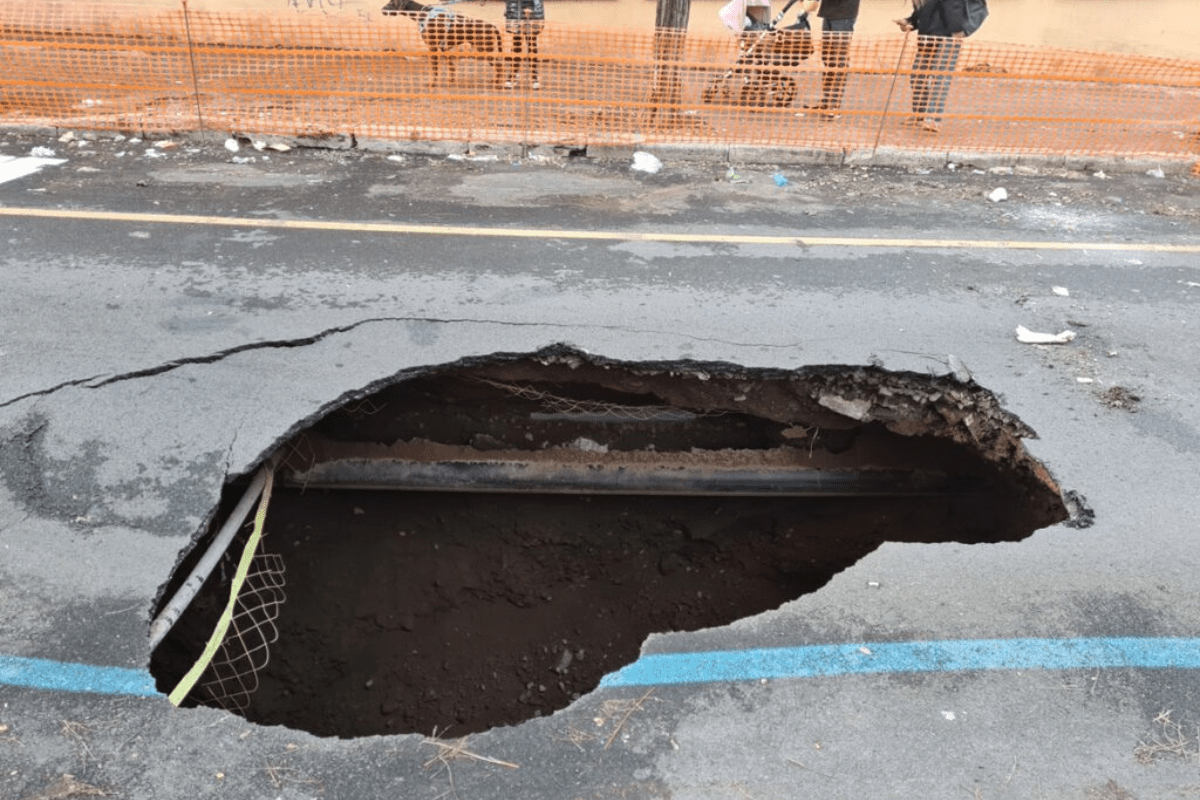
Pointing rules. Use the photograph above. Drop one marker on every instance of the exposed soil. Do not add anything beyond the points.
(414, 611)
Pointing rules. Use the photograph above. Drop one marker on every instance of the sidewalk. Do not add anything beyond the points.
(371, 79)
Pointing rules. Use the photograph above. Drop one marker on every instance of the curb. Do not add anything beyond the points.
(701, 153)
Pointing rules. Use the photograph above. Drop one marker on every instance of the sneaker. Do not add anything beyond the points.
(536, 85)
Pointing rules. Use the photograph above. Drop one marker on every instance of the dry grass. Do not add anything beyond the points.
(623, 708)
(281, 775)
(66, 786)
(456, 750)
(578, 737)
(77, 732)
(1169, 739)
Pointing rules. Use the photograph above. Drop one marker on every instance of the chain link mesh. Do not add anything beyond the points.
(232, 676)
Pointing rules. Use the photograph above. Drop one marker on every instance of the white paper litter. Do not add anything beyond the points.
(1061, 291)
(998, 195)
(646, 162)
(232, 145)
(1026, 336)
(12, 168)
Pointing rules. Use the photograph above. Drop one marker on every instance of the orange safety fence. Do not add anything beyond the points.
(370, 75)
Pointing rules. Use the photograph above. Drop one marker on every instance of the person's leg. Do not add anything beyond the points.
(919, 79)
(835, 55)
(532, 49)
(514, 60)
(945, 59)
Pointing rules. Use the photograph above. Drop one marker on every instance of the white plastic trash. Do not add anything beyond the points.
(1026, 336)
(998, 195)
(646, 162)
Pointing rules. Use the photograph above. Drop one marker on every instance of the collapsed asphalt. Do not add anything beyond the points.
(146, 362)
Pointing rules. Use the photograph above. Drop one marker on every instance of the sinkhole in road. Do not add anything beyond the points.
(476, 544)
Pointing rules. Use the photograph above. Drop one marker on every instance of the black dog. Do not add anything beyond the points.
(444, 30)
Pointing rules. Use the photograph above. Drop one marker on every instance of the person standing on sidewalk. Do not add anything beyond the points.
(837, 26)
(941, 26)
(523, 19)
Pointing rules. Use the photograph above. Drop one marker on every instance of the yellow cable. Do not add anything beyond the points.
(218, 635)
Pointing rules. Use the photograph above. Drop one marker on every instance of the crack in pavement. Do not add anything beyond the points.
(99, 381)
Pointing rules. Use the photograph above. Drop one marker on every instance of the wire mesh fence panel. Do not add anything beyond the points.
(232, 676)
(107, 66)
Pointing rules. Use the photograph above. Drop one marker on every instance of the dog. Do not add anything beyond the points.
(443, 31)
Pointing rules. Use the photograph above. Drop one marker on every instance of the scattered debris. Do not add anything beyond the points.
(1121, 398)
(66, 786)
(1109, 791)
(998, 195)
(1026, 336)
(984, 66)
(646, 162)
(42, 152)
(959, 369)
(1156, 173)
(1080, 514)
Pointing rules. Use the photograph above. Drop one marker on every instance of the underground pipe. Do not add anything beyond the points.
(187, 592)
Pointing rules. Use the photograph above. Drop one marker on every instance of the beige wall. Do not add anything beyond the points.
(1150, 27)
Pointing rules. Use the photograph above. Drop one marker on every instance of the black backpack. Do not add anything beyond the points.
(977, 12)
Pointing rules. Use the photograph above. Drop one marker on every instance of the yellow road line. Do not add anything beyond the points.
(623, 236)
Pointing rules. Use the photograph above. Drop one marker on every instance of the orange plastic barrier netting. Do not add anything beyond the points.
(374, 76)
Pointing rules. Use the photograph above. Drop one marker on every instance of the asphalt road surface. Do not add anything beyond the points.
(170, 314)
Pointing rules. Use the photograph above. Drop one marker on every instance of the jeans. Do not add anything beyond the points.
(835, 55)
(933, 66)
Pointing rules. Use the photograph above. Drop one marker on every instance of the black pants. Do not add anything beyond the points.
(835, 55)
(524, 43)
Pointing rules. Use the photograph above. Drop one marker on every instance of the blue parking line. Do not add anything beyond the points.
(898, 657)
(40, 673)
(811, 661)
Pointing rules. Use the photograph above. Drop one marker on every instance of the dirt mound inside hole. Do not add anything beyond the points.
(465, 609)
